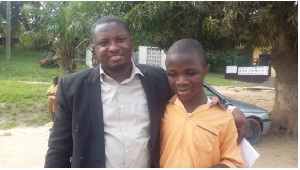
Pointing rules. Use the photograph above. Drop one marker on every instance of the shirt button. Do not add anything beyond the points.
(183, 153)
(82, 159)
(76, 128)
(121, 106)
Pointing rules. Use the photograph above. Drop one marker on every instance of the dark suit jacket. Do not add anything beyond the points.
(77, 136)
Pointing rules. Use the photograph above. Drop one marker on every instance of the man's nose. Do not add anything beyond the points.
(113, 46)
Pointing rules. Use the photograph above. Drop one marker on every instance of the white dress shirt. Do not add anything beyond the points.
(126, 121)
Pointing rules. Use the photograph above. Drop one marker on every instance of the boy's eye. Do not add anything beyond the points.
(172, 75)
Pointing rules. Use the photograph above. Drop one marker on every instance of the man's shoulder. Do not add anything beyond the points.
(152, 69)
(79, 76)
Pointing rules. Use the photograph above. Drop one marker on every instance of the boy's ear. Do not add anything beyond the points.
(206, 69)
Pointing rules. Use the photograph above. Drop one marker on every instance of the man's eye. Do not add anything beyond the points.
(121, 39)
(191, 73)
(103, 43)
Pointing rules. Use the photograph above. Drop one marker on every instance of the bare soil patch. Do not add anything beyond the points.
(25, 147)
(276, 151)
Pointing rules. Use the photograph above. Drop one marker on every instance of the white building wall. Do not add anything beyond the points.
(88, 58)
(152, 56)
(142, 54)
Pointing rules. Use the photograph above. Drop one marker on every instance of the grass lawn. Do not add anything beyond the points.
(23, 88)
(24, 83)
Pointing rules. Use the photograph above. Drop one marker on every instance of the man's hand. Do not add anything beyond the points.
(242, 124)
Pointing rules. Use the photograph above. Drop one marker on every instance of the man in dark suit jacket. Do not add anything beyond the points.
(109, 116)
(78, 134)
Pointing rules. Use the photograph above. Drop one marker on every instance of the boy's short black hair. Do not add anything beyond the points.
(188, 46)
(108, 19)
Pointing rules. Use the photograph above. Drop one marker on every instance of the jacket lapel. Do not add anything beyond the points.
(93, 89)
(149, 87)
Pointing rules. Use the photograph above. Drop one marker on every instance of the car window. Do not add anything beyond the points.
(211, 95)
(208, 93)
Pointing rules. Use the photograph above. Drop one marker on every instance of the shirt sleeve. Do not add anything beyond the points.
(231, 153)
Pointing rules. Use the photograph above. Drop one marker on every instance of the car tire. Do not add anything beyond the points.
(255, 131)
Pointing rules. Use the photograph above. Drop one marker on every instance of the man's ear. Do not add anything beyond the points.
(92, 48)
(131, 38)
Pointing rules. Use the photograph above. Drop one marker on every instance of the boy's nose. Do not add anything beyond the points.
(181, 80)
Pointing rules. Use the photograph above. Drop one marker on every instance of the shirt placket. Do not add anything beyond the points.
(122, 125)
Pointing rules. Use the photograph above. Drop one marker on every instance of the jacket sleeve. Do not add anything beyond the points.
(60, 141)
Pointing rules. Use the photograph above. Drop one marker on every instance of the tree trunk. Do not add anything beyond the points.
(67, 62)
(285, 111)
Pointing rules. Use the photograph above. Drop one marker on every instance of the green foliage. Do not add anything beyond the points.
(38, 35)
(58, 26)
(160, 23)
(219, 60)
(218, 25)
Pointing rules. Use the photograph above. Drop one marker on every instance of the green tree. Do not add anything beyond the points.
(61, 27)
(18, 19)
(64, 26)
(227, 25)
(41, 18)
(267, 24)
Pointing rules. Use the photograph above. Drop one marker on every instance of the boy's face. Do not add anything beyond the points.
(186, 75)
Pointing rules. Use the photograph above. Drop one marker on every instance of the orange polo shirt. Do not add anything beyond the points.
(205, 138)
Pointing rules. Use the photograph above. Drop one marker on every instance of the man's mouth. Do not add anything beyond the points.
(115, 57)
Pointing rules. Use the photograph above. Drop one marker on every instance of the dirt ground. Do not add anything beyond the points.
(25, 147)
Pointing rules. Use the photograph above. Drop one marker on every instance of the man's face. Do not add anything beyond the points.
(186, 75)
(113, 46)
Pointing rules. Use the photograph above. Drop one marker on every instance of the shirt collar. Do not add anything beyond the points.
(135, 71)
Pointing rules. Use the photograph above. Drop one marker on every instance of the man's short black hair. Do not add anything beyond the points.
(188, 46)
(108, 19)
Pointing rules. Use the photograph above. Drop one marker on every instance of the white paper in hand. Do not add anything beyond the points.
(249, 153)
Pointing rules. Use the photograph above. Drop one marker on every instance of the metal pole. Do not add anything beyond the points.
(8, 28)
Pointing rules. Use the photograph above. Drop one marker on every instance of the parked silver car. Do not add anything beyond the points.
(258, 118)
